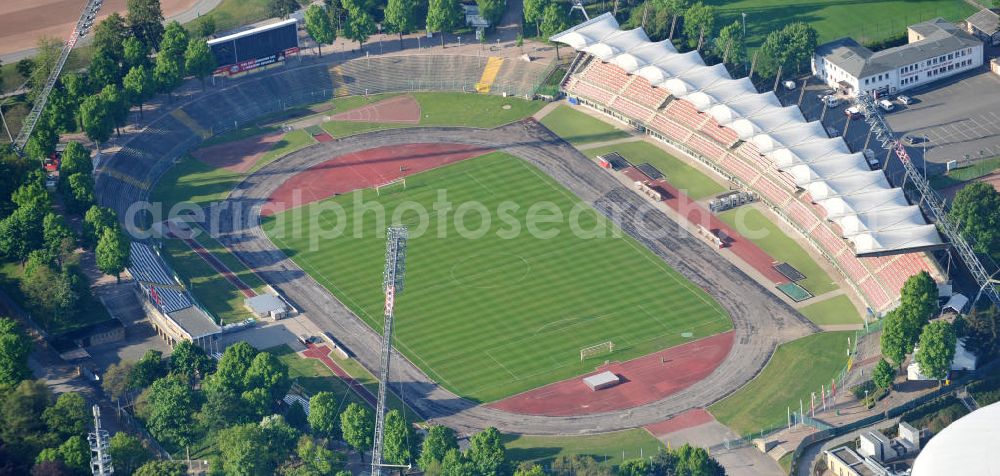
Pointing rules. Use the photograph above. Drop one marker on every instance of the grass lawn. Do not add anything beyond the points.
(688, 179)
(231, 262)
(751, 222)
(786, 462)
(492, 316)
(795, 370)
(835, 310)
(213, 291)
(864, 20)
(578, 128)
(291, 142)
(964, 174)
(605, 448)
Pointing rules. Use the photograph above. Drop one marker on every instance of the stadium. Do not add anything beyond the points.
(500, 331)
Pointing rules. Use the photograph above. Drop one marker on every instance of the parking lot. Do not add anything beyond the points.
(954, 119)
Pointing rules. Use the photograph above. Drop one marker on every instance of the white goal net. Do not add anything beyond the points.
(597, 349)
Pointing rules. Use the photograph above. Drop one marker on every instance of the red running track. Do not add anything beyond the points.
(646, 380)
(400, 110)
(220, 267)
(322, 353)
(363, 169)
(750, 253)
(688, 419)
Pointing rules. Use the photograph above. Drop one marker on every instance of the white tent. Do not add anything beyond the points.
(957, 302)
(875, 217)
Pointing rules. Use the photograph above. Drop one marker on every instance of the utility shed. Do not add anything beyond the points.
(266, 305)
(602, 380)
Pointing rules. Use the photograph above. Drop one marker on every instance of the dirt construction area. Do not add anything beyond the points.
(23, 22)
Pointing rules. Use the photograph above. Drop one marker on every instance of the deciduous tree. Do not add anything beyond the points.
(145, 19)
(113, 253)
(136, 53)
(320, 27)
(324, 415)
(114, 99)
(162, 468)
(281, 8)
(359, 26)
(534, 11)
(937, 349)
(554, 20)
(399, 439)
(139, 86)
(81, 191)
(69, 416)
(976, 209)
(443, 16)
(14, 349)
(401, 17)
(127, 452)
(96, 119)
(884, 374)
(439, 440)
(174, 43)
(895, 339)
(190, 361)
(730, 46)
(357, 426)
(487, 453)
(95, 221)
(198, 60)
(171, 404)
(110, 35)
(167, 74)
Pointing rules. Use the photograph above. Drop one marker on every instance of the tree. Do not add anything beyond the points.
(31, 194)
(730, 45)
(788, 49)
(198, 60)
(139, 86)
(281, 8)
(279, 439)
(23, 432)
(255, 448)
(895, 340)
(147, 370)
(190, 361)
(316, 458)
(357, 426)
(360, 25)
(635, 467)
(699, 22)
(114, 99)
(319, 26)
(976, 210)
(536, 470)
(167, 74)
(937, 349)
(400, 17)
(677, 9)
(175, 43)
(324, 415)
(43, 140)
(75, 454)
(69, 416)
(981, 329)
(443, 16)
(491, 10)
(95, 221)
(14, 349)
(692, 460)
(534, 10)
(117, 379)
(145, 19)
(269, 375)
(487, 452)
(50, 468)
(802, 39)
(440, 439)
(455, 464)
(59, 240)
(61, 111)
(170, 406)
(47, 53)
(204, 26)
(127, 452)
(884, 374)
(109, 36)
(81, 191)
(113, 253)
(96, 119)
(919, 301)
(162, 468)
(136, 53)
(399, 439)
(554, 20)
(21, 232)
(104, 69)
(75, 158)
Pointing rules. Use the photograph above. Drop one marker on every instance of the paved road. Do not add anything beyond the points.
(761, 320)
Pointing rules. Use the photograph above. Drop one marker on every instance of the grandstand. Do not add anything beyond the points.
(170, 308)
(866, 228)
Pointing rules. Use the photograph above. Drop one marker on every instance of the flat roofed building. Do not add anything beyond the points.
(985, 25)
(936, 50)
(602, 380)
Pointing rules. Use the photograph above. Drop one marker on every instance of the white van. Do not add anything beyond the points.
(831, 101)
(886, 105)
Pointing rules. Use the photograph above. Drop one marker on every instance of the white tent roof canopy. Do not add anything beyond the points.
(873, 216)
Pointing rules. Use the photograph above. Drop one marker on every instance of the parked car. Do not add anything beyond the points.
(789, 85)
(914, 140)
(831, 101)
(886, 105)
(832, 131)
(853, 112)
(904, 100)
(822, 96)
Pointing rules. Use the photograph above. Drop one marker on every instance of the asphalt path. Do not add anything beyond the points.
(761, 320)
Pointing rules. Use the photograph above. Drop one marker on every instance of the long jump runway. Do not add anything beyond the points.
(760, 320)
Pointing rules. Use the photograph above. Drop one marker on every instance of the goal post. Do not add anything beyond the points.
(381, 186)
(597, 349)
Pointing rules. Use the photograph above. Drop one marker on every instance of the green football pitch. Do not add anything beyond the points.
(506, 312)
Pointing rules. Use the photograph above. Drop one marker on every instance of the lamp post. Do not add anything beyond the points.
(744, 25)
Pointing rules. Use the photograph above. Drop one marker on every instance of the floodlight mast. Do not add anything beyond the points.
(929, 199)
(392, 283)
(100, 461)
(83, 24)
